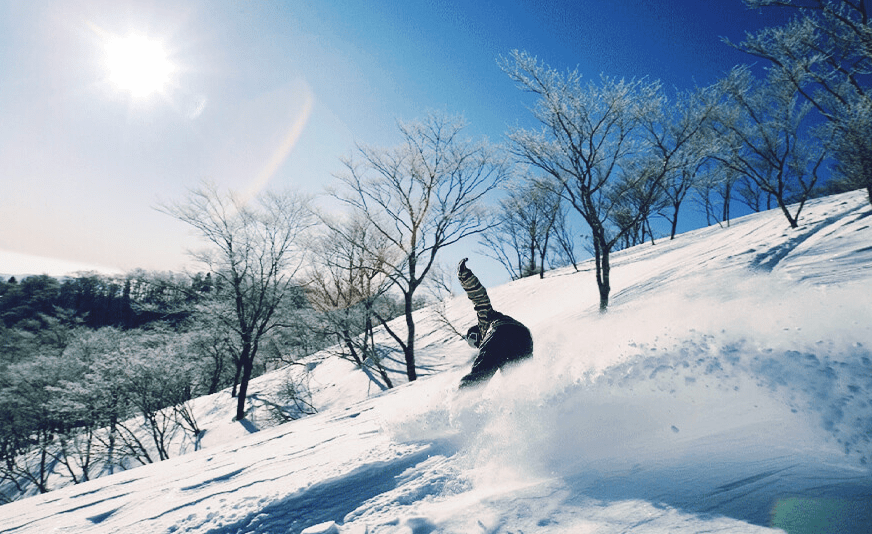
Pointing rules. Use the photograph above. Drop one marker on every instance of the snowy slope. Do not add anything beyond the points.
(727, 390)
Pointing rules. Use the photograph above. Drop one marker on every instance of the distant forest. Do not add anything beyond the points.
(95, 300)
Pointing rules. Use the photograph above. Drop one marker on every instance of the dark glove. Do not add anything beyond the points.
(463, 271)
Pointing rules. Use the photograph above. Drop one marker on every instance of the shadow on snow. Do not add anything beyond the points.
(330, 500)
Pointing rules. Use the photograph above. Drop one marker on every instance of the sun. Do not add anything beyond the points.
(138, 65)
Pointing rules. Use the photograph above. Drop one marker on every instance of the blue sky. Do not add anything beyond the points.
(272, 94)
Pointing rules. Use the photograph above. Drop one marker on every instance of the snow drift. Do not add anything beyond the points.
(727, 390)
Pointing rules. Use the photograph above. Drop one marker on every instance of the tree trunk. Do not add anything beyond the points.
(603, 283)
(601, 253)
(369, 346)
(790, 218)
(235, 391)
(531, 269)
(409, 349)
(346, 337)
(384, 374)
(544, 253)
(215, 378)
(247, 364)
(110, 455)
(42, 483)
(674, 221)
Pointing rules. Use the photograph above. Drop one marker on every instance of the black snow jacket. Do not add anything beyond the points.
(502, 339)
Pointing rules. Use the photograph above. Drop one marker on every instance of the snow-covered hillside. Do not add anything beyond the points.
(727, 390)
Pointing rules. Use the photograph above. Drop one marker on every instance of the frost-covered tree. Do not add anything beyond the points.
(683, 141)
(211, 345)
(853, 147)
(769, 139)
(565, 252)
(590, 138)
(524, 227)
(160, 386)
(825, 52)
(27, 427)
(253, 258)
(421, 196)
(676, 188)
(24, 303)
(345, 282)
(127, 382)
(714, 192)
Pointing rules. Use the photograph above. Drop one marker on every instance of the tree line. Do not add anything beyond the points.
(621, 152)
(607, 158)
(96, 301)
(97, 372)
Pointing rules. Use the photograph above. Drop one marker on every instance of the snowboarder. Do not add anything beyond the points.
(498, 338)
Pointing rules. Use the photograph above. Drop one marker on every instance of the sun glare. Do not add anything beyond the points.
(138, 65)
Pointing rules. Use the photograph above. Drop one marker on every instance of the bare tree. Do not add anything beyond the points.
(675, 189)
(825, 53)
(750, 194)
(421, 196)
(345, 281)
(853, 135)
(714, 191)
(566, 244)
(503, 243)
(212, 345)
(252, 258)
(769, 141)
(633, 208)
(683, 141)
(524, 227)
(590, 133)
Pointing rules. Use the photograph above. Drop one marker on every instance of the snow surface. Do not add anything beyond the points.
(726, 390)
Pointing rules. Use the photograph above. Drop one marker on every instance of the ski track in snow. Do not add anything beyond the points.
(727, 390)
